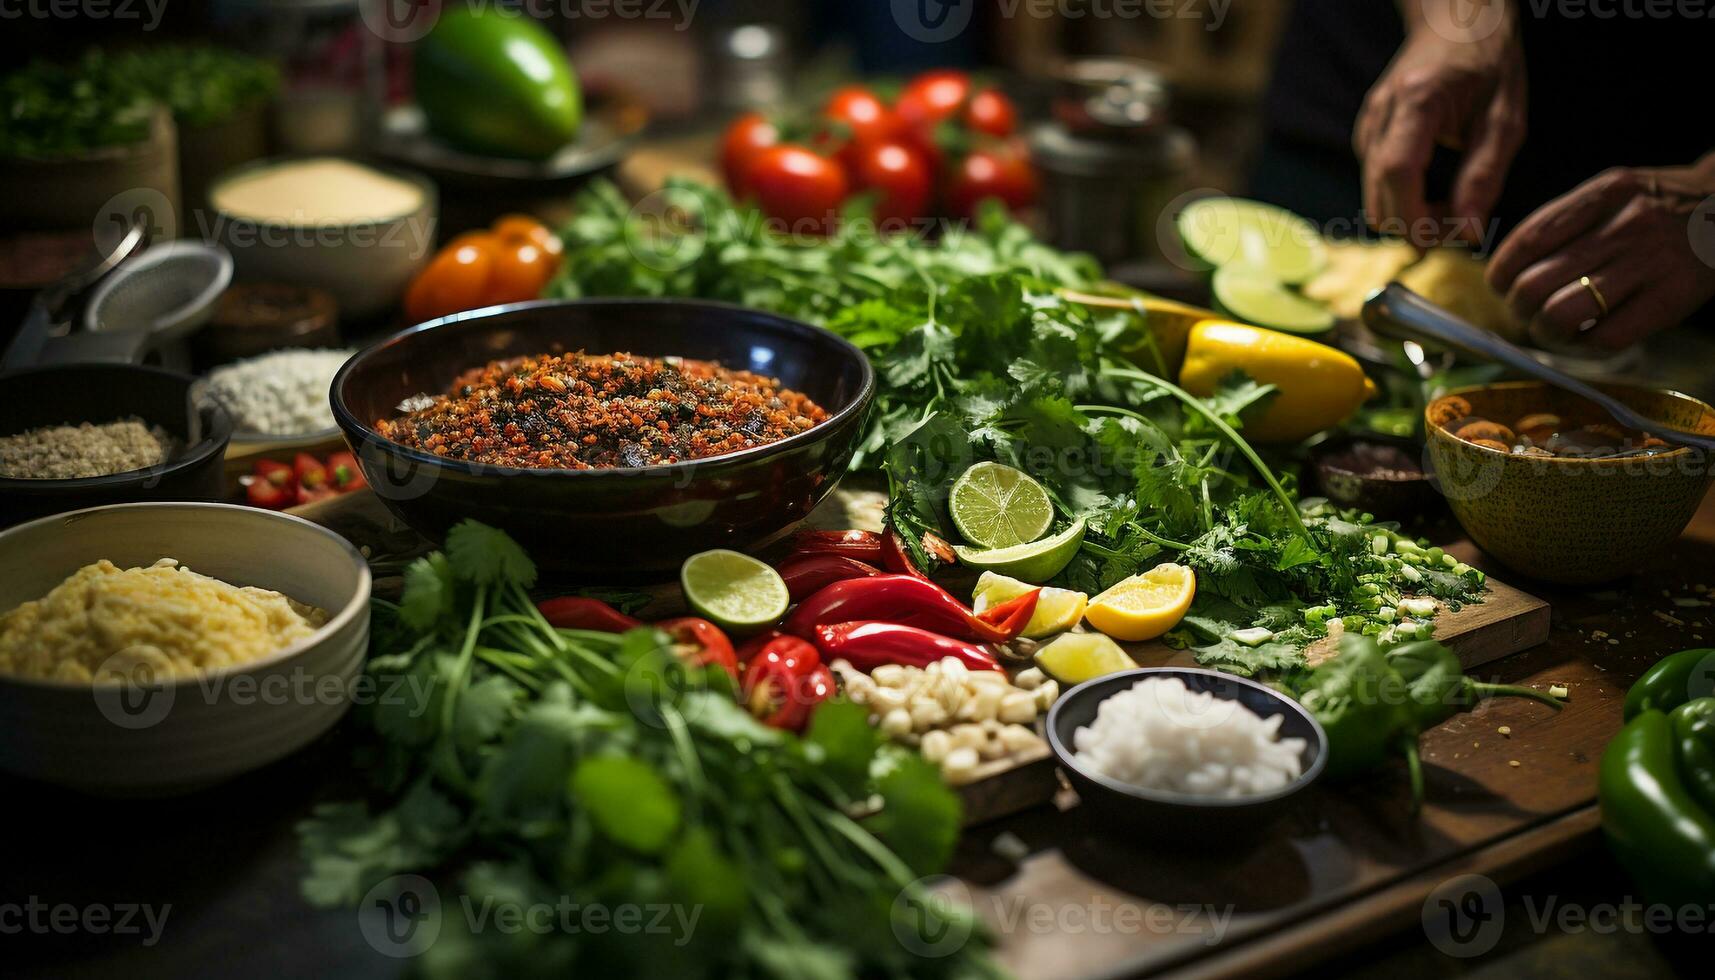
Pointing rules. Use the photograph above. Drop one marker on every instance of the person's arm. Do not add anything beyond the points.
(1458, 80)
(1645, 238)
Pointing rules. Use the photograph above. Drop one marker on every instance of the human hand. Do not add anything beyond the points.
(1460, 83)
(1632, 232)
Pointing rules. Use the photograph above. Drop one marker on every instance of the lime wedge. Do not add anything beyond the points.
(1255, 297)
(996, 506)
(733, 591)
(1035, 562)
(1222, 231)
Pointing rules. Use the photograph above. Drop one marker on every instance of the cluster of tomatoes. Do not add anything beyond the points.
(508, 263)
(942, 147)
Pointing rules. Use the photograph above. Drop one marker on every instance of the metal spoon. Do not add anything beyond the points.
(1397, 312)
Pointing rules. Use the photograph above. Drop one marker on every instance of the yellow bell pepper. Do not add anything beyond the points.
(1319, 386)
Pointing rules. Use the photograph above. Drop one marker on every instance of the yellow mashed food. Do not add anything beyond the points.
(107, 622)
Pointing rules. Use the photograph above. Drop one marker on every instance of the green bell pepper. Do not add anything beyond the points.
(1654, 822)
(496, 83)
(1694, 743)
(1674, 680)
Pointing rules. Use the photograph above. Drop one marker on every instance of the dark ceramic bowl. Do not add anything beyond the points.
(638, 522)
(70, 394)
(1171, 817)
(1380, 474)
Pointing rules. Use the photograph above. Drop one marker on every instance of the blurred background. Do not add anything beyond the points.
(1124, 110)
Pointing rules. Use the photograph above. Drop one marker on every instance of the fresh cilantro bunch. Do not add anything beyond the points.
(982, 354)
(538, 767)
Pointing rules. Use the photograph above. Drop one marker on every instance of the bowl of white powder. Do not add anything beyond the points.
(1169, 751)
(280, 396)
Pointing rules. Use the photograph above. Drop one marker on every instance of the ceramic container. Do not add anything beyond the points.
(164, 738)
(623, 522)
(1570, 521)
(1166, 817)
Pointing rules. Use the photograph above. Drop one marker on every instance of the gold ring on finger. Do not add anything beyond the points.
(1595, 294)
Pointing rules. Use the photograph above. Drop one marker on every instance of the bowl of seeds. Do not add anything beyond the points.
(84, 435)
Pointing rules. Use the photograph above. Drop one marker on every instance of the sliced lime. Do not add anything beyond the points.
(1254, 297)
(1222, 231)
(734, 591)
(1036, 562)
(996, 506)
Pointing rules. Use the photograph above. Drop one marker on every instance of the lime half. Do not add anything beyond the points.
(733, 591)
(996, 506)
(1223, 231)
(1255, 297)
(1036, 562)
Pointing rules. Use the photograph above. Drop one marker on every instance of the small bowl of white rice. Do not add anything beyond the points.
(1170, 752)
(280, 397)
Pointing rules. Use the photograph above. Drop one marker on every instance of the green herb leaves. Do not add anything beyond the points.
(567, 769)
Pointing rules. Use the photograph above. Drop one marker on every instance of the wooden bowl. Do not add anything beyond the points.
(1570, 521)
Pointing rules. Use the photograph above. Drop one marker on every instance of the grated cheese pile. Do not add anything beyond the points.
(105, 622)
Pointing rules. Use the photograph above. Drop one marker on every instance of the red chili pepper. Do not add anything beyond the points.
(576, 612)
(895, 558)
(868, 645)
(749, 649)
(701, 643)
(938, 547)
(1013, 615)
(908, 601)
(865, 546)
(808, 574)
(785, 681)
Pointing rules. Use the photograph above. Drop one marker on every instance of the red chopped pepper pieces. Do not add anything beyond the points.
(865, 546)
(701, 643)
(895, 558)
(785, 681)
(868, 645)
(576, 612)
(807, 574)
(910, 601)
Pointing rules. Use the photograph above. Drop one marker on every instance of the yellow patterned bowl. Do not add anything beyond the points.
(1569, 521)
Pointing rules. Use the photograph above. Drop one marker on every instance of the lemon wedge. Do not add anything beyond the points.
(1057, 610)
(1144, 606)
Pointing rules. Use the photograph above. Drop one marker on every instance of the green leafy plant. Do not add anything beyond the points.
(981, 355)
(539, 766)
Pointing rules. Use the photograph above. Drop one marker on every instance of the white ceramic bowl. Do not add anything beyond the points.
(118, 740)
(366, 265)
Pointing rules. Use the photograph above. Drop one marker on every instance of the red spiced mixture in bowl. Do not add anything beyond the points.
(589, 411)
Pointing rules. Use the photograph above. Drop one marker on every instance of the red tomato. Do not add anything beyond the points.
(272, 485)
(992, 113)
(518, 271)
(798, 187)
(453, 281)
(511, 226)
(900, 177)
(932, 97)
(310, 471)
(1006, 175)
(745, 139)
(344, 473)
(863, 117)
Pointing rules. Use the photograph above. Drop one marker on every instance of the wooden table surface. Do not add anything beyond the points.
(1353, 865)
(1349, 868)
